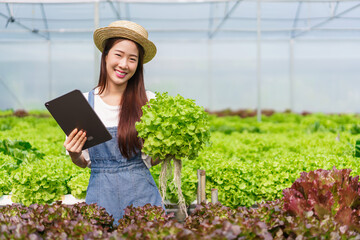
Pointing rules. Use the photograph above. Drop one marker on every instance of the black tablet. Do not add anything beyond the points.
(72, 110)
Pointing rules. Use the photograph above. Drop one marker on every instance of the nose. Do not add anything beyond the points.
(123, 63)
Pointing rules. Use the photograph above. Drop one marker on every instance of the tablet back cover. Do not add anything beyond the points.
(71, 111)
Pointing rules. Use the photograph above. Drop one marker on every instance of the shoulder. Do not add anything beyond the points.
(86, 94)
(150, 95)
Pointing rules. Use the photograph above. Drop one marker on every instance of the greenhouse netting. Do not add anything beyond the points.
(297, 55)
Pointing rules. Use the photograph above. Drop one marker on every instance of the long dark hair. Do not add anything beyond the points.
(134, 97)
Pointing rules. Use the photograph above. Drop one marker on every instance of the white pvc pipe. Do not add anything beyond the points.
(209, 81)
(258, 67)
(50, 70)
(291, 74)
(96, 51)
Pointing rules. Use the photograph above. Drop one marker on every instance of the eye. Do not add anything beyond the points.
(118, 55)
(133, 59)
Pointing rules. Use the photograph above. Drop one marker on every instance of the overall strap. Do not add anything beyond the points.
(91, 98)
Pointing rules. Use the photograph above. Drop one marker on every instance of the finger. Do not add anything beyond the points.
(82, 143)
(73, 133)
(70, 145)
(70, 137)
(77, 146)
(76, 138)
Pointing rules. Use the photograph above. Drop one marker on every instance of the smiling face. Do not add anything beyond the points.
(121, 62)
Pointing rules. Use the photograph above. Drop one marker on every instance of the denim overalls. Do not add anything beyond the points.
(116, 182)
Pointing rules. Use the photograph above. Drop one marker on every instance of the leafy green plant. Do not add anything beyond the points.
(247, 166)
(79, 183)
(357, 149)
(5, 183)
(20, 150)
(7, 165)
(173, 128)
(355, 129)
(42, 181)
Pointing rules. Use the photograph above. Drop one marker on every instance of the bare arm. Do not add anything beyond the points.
(155, 162)
(80, 161)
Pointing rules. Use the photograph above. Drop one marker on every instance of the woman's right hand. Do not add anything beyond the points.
(75, 142)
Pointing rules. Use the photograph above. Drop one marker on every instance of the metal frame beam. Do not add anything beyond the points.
(12, 93)
(171, 30)
(227, 15)
(114, 9)
(336, 7)
(316, 26)
(45, 20)
(211, 18)
(11, 19)
(161, 1)
(127, 9)
(296, 19)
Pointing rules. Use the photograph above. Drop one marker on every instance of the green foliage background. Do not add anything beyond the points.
(34, 167)
(248, 161)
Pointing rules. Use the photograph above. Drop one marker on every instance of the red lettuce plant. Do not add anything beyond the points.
(270, 213)
(143, 215)
(153, 230)
(150, 222)
(56, 221)
(214, 221)
(206, 213)
(324, 193)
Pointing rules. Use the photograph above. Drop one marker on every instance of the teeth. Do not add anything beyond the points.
(121, 73)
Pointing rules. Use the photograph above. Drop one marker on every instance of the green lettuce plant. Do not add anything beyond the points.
(42, 181)
(173, 128)
(79, 183)
(20, 150)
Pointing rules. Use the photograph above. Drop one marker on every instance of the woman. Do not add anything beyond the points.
(119, 172)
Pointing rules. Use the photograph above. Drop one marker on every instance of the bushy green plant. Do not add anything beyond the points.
(5, 183)
(7, 165)
(79, 183)
(173, 128)
(20, 150)
(42, 181)
(248, 162)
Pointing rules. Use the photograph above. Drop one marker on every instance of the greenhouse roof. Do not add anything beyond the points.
(189, 20)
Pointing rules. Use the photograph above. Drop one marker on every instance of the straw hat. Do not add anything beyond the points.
(129, 30)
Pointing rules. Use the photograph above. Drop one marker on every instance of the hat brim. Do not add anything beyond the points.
(102, 34)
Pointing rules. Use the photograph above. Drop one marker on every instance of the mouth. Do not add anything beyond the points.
(120, 74)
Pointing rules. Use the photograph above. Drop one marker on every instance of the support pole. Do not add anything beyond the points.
(258, 67)
(201, 197)
(50, 70)
(96, 51)
(209, 81)
(291, 75)
(214, 196)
